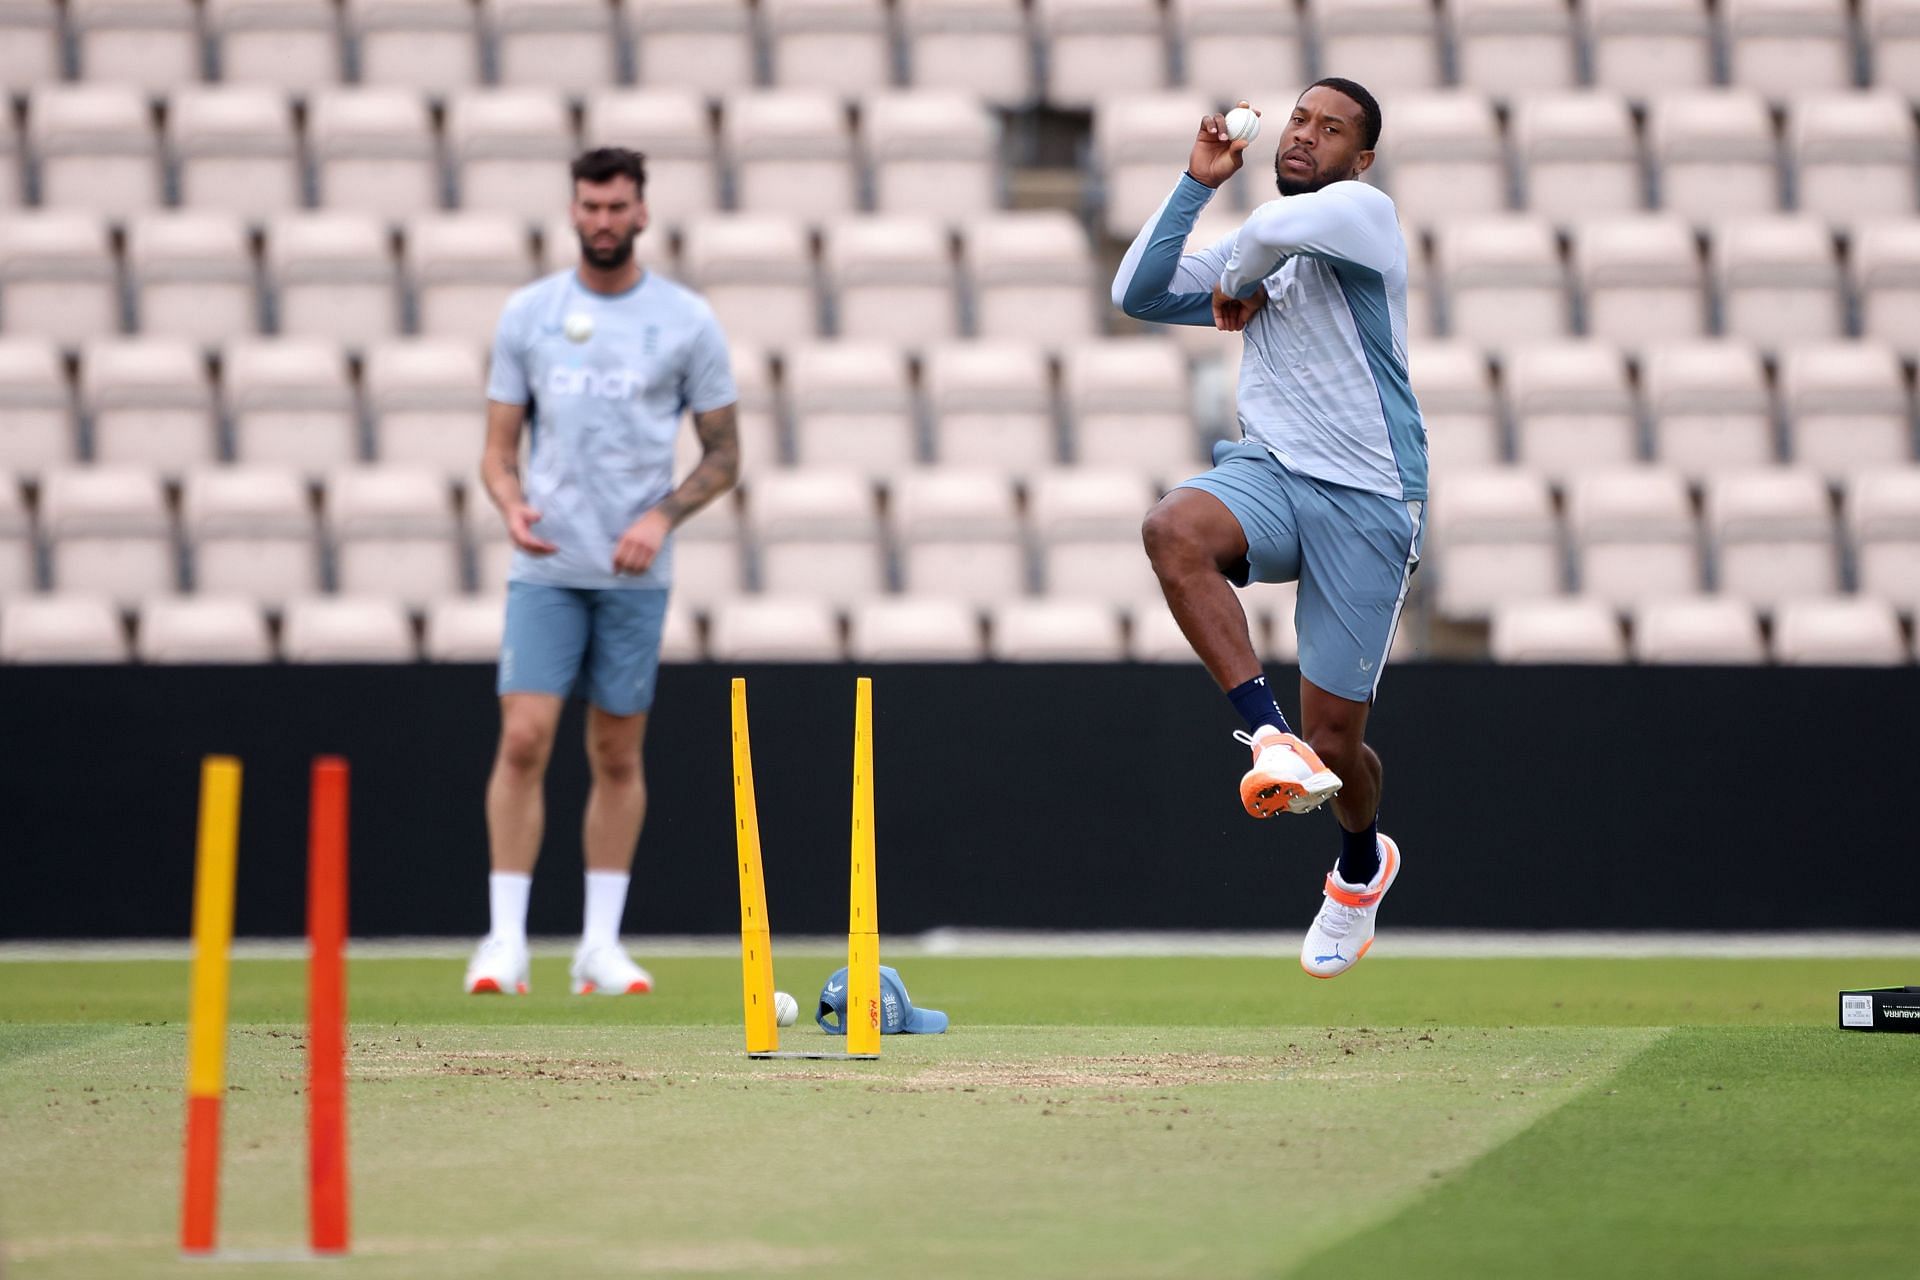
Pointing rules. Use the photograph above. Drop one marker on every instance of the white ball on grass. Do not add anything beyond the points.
(785, 1009)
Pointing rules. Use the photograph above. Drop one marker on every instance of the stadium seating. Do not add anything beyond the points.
(108, 533)
(61, 629)
(1788, 46)
(959, 535)
(345, 629)
(461, 270)
(559, 44)
(203, 630)
(1698, 631)
(892, 279)
(671, 123)
(1886, 279)
(1642, 47)
(1556, 631)
(147, 44)
(1572, 407)
(192, 276)
(842, 45)
(36, 411)
(1086, 524)
(1779, 281)
(1503, 280)
(1494, 537)
(291, 44)
(1230, 46)
(250, 533)
(933, 154)
(1514, 46)
(990, 405)
(149, 402)
(771, 628)
(1849, 408)
(421, 401)
(96, 148)
(1714, 153)
(1642, 280)
(333, 277)
(981, 48)
(1392, 42)
(1860, 632)
(1773, 535)
(234, 150)
(417, 44)
(791, 151)
(818, 535)
(464, 630)
(852, 407)
(30, 50)
(18, 573)
(757, 273)
(1451, 161)
(289, 403)
(509, 149)
(57, 277)
(393, 535)
(1097, 46)
(914, 629)
(1708, 406)
(1578, 156)
(1634, 535)
(1883, 521)
(705, 46)
(1056, 631)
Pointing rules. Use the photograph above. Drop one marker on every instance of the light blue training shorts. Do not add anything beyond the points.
(603, 644)
(1351, 550)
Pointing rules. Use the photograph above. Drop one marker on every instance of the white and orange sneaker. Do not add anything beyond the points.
(1287, 777)
(607, 970)
(1343, 930)
(498, 967)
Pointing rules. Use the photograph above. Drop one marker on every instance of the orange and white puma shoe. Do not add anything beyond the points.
(607, 970)
(498, 968)
(1287, 777)
(1343, 930)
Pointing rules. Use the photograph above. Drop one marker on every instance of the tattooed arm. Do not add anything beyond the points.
(718, 468)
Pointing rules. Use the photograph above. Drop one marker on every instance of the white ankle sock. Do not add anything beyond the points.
(507, 893)
(606, 903)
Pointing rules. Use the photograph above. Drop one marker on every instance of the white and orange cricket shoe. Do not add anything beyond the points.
(607, 970)
(1287, 777)
(1343, 930)
(498, 968)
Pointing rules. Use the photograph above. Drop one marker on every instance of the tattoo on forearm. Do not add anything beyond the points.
(719, 465)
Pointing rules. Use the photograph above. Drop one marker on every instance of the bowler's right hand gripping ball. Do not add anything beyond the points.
(1242, 125)
(785, 1009)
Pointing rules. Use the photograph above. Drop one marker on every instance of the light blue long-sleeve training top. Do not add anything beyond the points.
(1323, 382)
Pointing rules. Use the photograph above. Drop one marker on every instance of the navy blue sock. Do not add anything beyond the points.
(1254, 701)
(1359, 854)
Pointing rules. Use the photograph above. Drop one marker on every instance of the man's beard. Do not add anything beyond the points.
(1292, 186)
(609, 259)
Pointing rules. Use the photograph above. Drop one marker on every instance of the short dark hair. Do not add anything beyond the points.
(604, 164)
(1369, 109)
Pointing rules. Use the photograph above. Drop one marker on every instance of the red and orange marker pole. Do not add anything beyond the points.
(213, 879)
(327, 1203)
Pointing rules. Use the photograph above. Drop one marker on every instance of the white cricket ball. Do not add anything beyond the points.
(1242, 125)
(786, 1010)
(578, 327)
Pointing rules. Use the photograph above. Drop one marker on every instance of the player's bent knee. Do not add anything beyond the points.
(1172, 541)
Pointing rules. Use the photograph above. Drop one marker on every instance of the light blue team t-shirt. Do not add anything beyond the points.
(603, 407)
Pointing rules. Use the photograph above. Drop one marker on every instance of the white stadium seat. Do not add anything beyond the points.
(424, 399)
(1056, 631)
(1883, 520)
(1494, 537)
(558, 44)
(1230, 45)
(1556, 631)
(959, 535)
(509, 149)
(234, 149)
(756, 271)
(96, 147)
(1097, 47)
(36, 411)
(1714, 153)
(1700, 631)
(702, 45)
(1853, 155)
(1381, 42)
(108, 533)
(1086, 523)
(150, 402)
(373, 151)
(852, 407)
(1856, 632)
(290, 404)
(463, 268)
(1634, 535)
(1572, 407)
(1849, 407)
(680, 634)
(1788, 46)
(671, 126)
(1447, 160)
(344, 629)
(56, 277)
(204, 630)
(1135, 137)
(707, 554)
(18, 574)
(1032, 276)
(1641, 47)
(1457, 404)
(774, 629)
(12, 172)
(292, 44)
(818, 535)
(333, 277)
(1153, 635)
(1503, 280)
(1892, 30)
(977, 48)
(1129, 405)
(1578, 156)
(433, 45)
(1886, 279)
(914, 629)
(933, 153)
(30, 45)
(250, 532)
(792, 152)
(892, 279)
(1643, 280)
(484, 531)
(465, 630)
(1709, 406)
(192, 276)
(147, 44)
(61, 630)
(1514, 46)
(990, 405)
(1779, 281)
(1772, 532)
(393, 534)
(842, 45)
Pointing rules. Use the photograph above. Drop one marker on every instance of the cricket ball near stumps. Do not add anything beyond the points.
(578, 326)
(786, 1010)
(1242, 125)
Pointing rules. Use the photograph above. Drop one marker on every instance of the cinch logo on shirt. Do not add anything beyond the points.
(604, 384)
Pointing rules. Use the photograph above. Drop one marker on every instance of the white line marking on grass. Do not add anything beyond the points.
(1406, 943)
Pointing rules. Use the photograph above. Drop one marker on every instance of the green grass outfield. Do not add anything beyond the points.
(1128, 1117)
